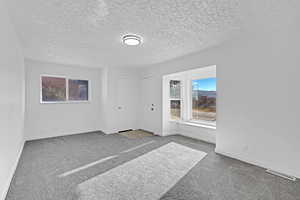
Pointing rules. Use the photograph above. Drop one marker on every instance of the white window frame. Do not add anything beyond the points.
(180, 99)
(89, 91)
(189, 80)
(186, 79)
(67, 90)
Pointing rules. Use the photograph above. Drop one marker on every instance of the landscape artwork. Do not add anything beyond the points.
(53, 89)
(78, 90)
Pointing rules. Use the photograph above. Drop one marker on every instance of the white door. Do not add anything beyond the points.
(151, 118)
(127, 91)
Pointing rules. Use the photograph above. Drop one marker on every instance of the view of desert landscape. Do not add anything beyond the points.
(204, 105)
(204, 97)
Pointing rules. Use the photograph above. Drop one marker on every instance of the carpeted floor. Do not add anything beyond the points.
(54, 169)
(147, 177)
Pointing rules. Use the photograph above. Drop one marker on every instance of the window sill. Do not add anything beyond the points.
(208, 126)
(64, 102)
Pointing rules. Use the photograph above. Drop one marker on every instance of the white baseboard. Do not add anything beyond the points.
(158, 133)
(109, 132)
(168, 133)
(254, 162)
(203, 137)
(62, 134)
(13, 170)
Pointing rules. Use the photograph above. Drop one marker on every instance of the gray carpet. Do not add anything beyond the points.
(147, 177)
(52, 169)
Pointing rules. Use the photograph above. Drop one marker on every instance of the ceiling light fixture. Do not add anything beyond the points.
(132, 40)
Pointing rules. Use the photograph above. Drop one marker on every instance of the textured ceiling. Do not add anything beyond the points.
(88, 32)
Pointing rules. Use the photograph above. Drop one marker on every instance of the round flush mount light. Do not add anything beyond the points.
(132, 40)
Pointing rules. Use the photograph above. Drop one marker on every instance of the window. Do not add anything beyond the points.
(175, 109)
(78, 90)
(175, 101)
(55, 89)
(204, 100)
(190, 97)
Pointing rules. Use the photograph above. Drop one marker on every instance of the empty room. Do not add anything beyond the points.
(149, 100)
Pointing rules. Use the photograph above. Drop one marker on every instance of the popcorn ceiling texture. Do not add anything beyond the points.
(88, 32)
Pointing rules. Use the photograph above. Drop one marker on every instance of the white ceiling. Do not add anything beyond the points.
(88, 32)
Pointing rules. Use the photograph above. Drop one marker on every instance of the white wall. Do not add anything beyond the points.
(49, 120)
(113, 106)
(11, 101)
(258, 84)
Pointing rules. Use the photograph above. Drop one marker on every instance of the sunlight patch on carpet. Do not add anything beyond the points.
(86, 166)
(137, 147)
(147, 177)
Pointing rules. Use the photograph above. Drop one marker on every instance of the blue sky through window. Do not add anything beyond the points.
(208, 84)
